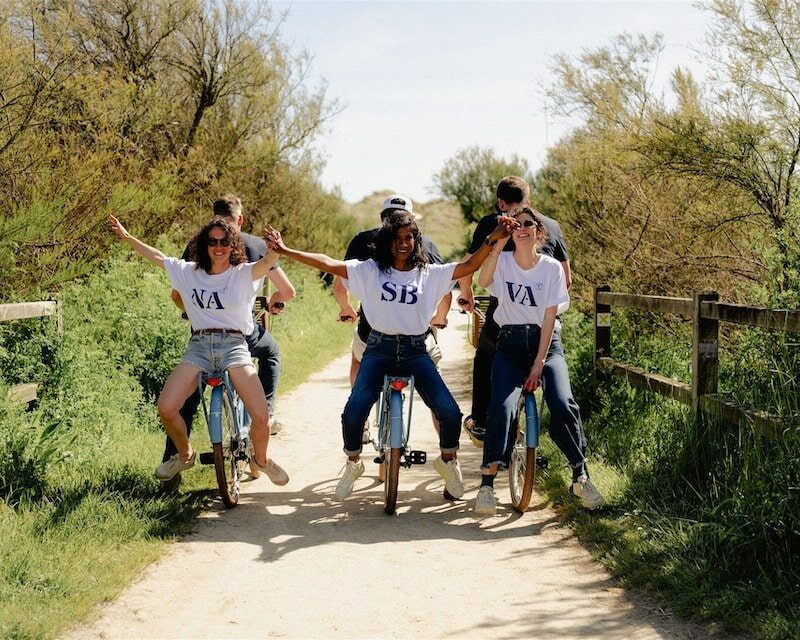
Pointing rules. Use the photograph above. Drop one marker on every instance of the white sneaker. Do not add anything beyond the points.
(583, 489)
(451, 472)
(485, 502)
(170, 468)
(352, 472)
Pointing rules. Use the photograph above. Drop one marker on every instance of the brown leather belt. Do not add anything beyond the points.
(200, 332)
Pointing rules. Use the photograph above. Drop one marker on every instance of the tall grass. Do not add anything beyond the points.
(80, 511)
(706, 513)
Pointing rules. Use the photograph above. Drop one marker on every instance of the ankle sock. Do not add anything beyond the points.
(579, 471)
(487, 481)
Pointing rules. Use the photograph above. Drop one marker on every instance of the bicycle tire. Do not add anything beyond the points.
(522, 466)
(228, 465)
(392, 477)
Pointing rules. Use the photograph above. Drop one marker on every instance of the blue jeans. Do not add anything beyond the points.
(405, 356)
(516, 348)
(264, 348)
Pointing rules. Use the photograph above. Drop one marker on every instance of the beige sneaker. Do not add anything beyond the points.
(583, 489)
(352, 472)
(172, 467)
(451, 472)
(273, 470)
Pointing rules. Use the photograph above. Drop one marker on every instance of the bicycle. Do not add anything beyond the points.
(524, 461)
(229, 432)
(393, 433)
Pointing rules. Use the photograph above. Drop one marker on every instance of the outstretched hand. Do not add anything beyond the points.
(117, 228)
(273, 239)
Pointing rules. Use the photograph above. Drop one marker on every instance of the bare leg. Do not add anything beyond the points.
(355, 365)
(248, 386)
(180, 384)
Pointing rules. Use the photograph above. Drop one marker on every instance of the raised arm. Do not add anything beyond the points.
(262, 267)
(145, 250)
(319, 261)
(486, 275)
(467, 267)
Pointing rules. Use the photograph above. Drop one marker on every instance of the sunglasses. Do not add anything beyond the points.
(527, 223)
(213, 242)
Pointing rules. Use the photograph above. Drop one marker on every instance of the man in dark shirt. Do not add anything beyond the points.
(261, 342)
(512, 192)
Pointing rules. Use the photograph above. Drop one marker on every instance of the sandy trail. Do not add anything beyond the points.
(307, 566)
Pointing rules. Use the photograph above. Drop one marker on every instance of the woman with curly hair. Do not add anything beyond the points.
(218, 293)
(399, 292)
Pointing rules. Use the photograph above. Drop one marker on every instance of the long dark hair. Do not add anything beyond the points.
(385, 240)
(198, 246)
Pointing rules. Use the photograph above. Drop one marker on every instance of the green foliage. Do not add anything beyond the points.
(76, 484)
(471, 176)
(709, 514)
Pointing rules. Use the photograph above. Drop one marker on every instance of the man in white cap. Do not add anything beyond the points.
(361, 247)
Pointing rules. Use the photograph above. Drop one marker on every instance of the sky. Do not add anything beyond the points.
(421, 80)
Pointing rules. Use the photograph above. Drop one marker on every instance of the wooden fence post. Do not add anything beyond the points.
(705, 351)
(602, 326)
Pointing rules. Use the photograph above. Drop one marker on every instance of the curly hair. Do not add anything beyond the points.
(385, 239)
(198, 247)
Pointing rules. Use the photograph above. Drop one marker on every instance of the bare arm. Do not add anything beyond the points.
(262, 267)
(319, 261)
(469, 266)
(176, 298)
(490, 264)
(465, 284)
(567, 273)
(145, 250)
(284, 289)
(442, 309)
(342, 297)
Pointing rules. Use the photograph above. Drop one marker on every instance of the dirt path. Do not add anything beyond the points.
(310, 567)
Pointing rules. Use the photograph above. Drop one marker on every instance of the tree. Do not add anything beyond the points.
(470, 178)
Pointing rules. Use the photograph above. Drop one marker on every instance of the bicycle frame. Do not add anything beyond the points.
(220, 386)
(393, 431)
(531, 420)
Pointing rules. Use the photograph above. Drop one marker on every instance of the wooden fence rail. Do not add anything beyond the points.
(706, 312)
(27, 393)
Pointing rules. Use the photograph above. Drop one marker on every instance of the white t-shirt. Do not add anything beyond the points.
(219, 301)
(399, 302)
(523, 295)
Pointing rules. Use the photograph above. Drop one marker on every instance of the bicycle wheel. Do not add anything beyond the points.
(229, 460)
(522, 466)
(392, 476)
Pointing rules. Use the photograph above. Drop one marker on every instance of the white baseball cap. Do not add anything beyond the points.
(398, 201)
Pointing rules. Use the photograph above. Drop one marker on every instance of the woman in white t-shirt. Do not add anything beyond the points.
(217, 289)
(531, 291)
(399, 292)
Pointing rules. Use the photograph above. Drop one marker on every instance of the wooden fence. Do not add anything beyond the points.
(706, 313)
(26, 393)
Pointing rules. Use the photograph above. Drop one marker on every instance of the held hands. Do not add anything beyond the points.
(505, 227)
(534, 378)
(117, 228)
(273, 239)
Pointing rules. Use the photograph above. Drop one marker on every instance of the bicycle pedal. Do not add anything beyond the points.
(416, 457)
(379, 460)
(207, 457)
(542, 462)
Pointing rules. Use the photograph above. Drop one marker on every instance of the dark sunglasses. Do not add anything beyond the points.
(527, 223)
(213, 242)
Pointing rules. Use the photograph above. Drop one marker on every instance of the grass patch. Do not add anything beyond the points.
(704, 516)
(80, 511)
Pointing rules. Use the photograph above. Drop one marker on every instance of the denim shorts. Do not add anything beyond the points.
(217, 352)
(359, 346)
